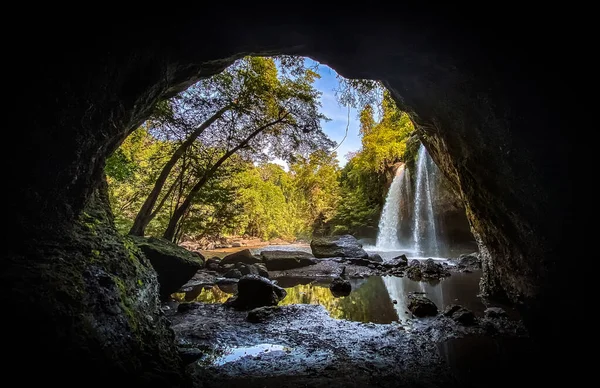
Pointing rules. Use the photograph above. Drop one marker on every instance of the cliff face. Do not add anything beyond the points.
(476, 94)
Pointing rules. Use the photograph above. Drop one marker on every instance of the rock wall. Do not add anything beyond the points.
(84, 302)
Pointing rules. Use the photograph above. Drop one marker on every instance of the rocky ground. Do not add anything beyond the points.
(240, 343)
(300, 345)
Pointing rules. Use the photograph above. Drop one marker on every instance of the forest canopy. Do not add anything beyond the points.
(203, 166)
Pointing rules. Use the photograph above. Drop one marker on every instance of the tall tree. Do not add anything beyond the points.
(282, 120)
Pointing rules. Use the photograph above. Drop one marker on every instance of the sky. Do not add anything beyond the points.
(336, 127)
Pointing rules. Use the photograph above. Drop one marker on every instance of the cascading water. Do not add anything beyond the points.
(387, 236)
(424, 230)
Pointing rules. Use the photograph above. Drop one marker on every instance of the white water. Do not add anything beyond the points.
(387, 235)
(424, 230)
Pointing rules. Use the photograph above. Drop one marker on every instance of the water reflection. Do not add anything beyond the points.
(371, 300)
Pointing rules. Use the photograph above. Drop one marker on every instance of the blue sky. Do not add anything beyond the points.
(336, 127)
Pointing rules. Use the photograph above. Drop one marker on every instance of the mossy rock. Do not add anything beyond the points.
(173, 264)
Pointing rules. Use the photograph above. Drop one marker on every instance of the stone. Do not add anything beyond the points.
(262, 270)
(421, 306)
(236, 244)
(243, 256)
(375, 257)
(189, 355)
(469, 261)
(337, 246)
(256, 291)
(460, 314)
(173, 264)
(283, 260)
(262, 314)
(495, 312)
(233, 274)
(340, 287)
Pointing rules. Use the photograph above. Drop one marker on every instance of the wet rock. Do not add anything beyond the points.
(256, 291)
(398, 261)
(227, 267)
(337, 246)
(261, 314)
(246, 269)
(460, 314)
(233, 274)
(495, 312)
(189, 355)
(244, 256)
(427, 269)
(375, 257)
(284, 260)
(262, 270)
(421, 306)
(173, 264)
(213, 260)
(185, 307)
(340, 287)
(468, 262)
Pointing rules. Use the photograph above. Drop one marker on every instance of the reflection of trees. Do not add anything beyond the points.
(369, 303)
(201, 294)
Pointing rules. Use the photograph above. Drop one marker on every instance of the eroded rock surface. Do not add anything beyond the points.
(337, 246)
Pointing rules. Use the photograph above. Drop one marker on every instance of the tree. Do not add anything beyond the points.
(280, 117)
(234, 95)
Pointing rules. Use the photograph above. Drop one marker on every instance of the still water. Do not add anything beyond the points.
(377, 299)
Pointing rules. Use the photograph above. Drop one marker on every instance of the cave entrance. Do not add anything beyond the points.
(270, 197)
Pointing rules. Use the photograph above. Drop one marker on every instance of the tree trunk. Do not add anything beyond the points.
(181, 210)
(145, 214)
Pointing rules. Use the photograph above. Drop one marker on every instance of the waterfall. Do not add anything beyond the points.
(387, 236)
(424, 231)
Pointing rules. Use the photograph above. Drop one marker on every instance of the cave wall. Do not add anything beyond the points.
(475, 91)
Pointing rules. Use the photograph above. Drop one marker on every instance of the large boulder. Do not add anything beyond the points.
(255, 291)
(244, 256)
(470, 261)
(337, 246)
(421, 306)
(173, 264)
(398, 261)
(460, 314)
(284, 260)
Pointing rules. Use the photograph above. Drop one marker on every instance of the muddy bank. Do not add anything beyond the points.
(301, 345)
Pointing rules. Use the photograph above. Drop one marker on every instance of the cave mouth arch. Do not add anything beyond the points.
(471, 99)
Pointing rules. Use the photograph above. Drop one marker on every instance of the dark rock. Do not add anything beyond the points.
(421, 306)
(337, 246)
(284, 260)
(185, 307)
(236, 244)
(451, 309)
(255, 291)
(233, 274)
(246, 269)
(340, 287)
(375, 257)
(398, 261)
(227, 267)
(469, 261)
(261, 314)
(213, 260)
(428, 269)
(244, 256)
(495, 312)
(173, 264)
(189, 355)
(262, 270)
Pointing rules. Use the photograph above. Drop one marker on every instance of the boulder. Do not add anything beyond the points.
(243, 256)
(233, 274)
(213, 264)
(262, 270)
(256, 291)
(398, 261)
(262, 314)
(421, 306)
(375, 257)
(337, 246)
(340, 287)
(428, 269)
(469, 261)
(495, 312)
(173, 264)
(460, 314)
(284, 260)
